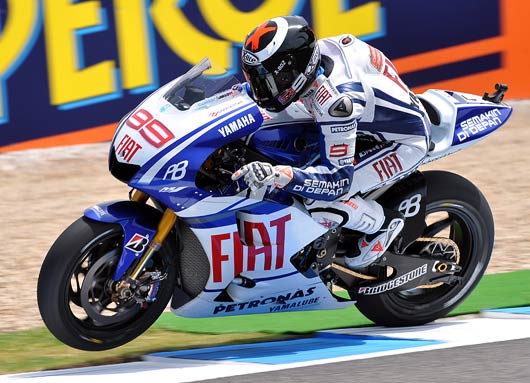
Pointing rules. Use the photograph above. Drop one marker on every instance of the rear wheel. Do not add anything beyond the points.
(457, 210)
(76, 291)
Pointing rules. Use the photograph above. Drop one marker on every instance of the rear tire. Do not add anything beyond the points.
(90, 250)
(467, 221)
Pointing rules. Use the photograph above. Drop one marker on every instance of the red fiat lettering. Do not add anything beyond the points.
(217, 255)
(266, 249)
(258, 241)
(322, 95)
(388, 166)
(127, 148)
(279, 224)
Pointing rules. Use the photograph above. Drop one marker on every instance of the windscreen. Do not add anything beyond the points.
(194, 86)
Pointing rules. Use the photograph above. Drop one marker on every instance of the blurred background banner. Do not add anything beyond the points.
(70, 69)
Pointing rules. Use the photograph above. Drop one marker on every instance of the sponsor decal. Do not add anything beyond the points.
(394, 283)
(220, 111)
(127, 148)
(280, 67)
(476, 124)
(328, 188)
(237, 124)
(313, 62)
(338, 150)
(263, 239)
(266, 116)
(171, 189)
(374, 149)
(165, 107)
(215, 98)
(322, 95)
(343, 129)
(343, 107)
(281, 302)
(388, 166)
(377, 247)
(286, 96)
(347, 161)
(177, 171)
(249, 58)
(327, 224)
(312, 89)
(411, 206)
(137, 243)
(347, 40)
(351, 204)
(98, 210)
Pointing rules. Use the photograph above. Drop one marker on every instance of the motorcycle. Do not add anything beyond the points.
(190, 234)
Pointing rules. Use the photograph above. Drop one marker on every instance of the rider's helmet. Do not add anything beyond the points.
(280, 58)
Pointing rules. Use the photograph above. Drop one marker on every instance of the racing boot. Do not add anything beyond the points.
(372, 246)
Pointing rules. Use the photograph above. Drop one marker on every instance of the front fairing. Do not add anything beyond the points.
(178, 109)
(160, 146)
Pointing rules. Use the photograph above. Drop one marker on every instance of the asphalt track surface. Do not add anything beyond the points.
(507, 361)
(491, 348)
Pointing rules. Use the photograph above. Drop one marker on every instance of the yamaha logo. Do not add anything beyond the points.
(249, 58)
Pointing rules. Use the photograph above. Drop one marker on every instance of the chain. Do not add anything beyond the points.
(351, 272)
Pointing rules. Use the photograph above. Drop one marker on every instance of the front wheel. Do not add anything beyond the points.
(76, 291)
(457, 210)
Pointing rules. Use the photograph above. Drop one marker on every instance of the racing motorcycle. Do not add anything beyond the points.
(190, 234)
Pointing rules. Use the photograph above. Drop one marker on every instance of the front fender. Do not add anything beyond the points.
(139, 223)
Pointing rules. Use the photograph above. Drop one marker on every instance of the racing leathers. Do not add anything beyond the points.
(359, 96)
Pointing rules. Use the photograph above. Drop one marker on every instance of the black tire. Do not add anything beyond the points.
(83, 250)
(470, 224)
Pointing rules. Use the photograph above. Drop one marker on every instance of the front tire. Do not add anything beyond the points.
(87, 316)
(455, 209)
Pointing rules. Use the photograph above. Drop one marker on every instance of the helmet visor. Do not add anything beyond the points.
(267, 85)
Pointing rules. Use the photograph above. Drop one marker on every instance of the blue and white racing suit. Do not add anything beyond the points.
(359, 95)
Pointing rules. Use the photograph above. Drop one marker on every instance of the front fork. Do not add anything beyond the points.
(167, 222)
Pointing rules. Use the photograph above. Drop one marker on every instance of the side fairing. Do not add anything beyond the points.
(249, 250)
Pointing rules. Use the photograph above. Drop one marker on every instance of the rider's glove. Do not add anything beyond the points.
(258, 174)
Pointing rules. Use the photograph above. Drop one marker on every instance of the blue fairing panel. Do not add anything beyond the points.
(474, 122)
(294, 144)
(139, 223)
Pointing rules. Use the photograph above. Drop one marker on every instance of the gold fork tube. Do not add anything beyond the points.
(164, 227)
(139, 196)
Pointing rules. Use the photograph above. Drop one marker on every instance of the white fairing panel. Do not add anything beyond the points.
(464, 118)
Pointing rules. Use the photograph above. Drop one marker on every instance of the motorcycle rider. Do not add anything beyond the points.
(354, 93)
